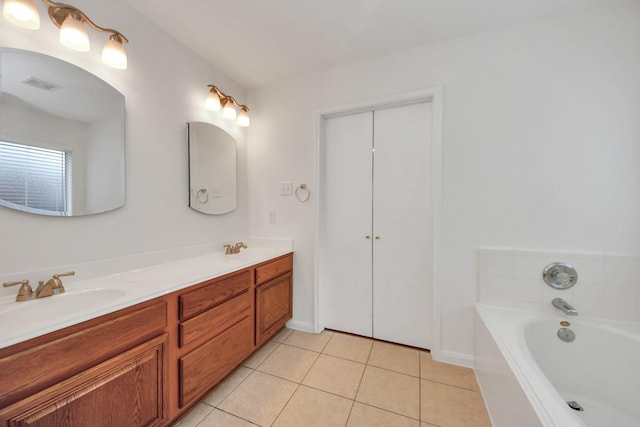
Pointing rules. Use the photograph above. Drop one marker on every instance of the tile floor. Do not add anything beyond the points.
(333, 379)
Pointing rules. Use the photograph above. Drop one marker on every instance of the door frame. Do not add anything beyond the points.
(435, 96)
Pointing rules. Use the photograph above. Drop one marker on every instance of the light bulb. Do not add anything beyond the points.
(73, 34)
(22, 13)
(213, 101)
(243, 117)
(228, 110)
(114, 54)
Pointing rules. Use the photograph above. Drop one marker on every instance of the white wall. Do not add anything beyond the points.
(164, 86)
(541, 147)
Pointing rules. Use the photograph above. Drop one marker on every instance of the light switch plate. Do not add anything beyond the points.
(286, 188)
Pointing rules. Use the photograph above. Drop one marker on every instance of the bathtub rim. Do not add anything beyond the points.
(545, 400)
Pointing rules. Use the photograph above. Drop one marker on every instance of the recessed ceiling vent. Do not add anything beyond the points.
(40, 84)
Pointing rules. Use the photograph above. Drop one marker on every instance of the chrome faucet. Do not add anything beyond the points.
(229, 250)
(566, 308)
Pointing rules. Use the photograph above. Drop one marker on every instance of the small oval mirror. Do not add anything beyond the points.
(212, 169)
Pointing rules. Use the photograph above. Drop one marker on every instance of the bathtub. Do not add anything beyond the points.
(527, 374)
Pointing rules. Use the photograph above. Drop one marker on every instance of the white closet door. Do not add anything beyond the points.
(402, 216)
(346, 270)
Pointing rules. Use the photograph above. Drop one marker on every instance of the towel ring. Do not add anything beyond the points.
(202, 196)
(302, 193)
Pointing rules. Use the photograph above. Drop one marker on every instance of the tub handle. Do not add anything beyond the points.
(559, 275)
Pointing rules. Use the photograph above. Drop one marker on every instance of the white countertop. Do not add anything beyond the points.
(97, 296)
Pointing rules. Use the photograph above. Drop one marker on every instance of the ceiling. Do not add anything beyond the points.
(258, 42)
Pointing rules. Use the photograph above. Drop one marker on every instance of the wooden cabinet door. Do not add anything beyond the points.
(126, 390)
(273, 307)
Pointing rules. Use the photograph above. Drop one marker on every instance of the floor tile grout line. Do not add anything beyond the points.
(420, 387)
(237, 416)
(234, 389)
(310, 368)
(366, 365)
(388, 410)
(266, 357)
(284, 406)
(298, 347)
(452, 385)
(209, 413)
(353, 402)
(279, 377)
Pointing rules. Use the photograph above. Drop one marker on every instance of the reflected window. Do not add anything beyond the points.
(35, 179)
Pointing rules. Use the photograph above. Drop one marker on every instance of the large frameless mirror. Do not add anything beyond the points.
(212, 169)
(62, 137)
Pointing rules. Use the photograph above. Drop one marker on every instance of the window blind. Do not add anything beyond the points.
(35, 179)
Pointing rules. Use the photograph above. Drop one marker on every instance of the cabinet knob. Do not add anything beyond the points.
(377, 237)
(367, 237)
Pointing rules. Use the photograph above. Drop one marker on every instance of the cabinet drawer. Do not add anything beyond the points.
(204, 367)
(215, 320)
(215, 292)
(266, 272)
(83, 346)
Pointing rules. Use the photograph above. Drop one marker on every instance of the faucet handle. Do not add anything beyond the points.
(236, 248)
(228, 249)
(57, 287)
(68, 273)
(17, 282)
(25, 293)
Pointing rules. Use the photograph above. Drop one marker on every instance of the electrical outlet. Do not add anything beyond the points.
(272, 217)
(285, 188)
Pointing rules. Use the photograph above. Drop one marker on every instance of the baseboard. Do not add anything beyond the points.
(454, 358)
(300, 326)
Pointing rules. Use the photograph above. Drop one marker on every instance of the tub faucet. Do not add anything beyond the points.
(566, 308)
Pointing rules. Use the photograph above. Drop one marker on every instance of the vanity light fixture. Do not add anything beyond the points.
(73, 33)
(217, 100)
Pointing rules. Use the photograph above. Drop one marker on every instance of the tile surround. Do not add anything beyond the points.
(336, 390)
(608, 284)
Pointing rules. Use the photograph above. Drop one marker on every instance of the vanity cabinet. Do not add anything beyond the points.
(130, 385)
(274, 297)
(149, 363)
(115, 361)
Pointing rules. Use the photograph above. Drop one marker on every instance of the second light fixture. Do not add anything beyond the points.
(218, 100)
